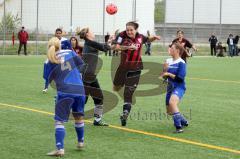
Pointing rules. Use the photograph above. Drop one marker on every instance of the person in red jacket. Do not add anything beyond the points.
(23, 38)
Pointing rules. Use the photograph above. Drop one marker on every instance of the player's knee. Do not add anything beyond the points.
(116, 88)
(172, 103)
(79, 119)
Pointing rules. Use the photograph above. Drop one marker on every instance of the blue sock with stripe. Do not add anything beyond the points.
(177, 117)
(59, 136)
(79, 127)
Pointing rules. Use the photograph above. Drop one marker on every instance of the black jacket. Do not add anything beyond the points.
(213, 40)
(90, 57)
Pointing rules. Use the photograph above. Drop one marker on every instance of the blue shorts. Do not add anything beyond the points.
(67, 102)
(176, 91)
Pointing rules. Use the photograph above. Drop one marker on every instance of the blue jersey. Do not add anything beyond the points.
(178, 68)
(66, 75)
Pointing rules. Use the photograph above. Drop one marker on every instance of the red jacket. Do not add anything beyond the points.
(23, 36)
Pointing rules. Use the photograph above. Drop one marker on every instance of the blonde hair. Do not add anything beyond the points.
(83, 33)
(53, 47)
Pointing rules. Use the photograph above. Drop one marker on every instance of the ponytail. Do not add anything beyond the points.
(53, 47)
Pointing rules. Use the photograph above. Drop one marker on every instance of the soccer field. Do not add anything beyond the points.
(211, 104)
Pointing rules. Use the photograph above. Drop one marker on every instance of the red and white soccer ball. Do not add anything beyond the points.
(111, 9)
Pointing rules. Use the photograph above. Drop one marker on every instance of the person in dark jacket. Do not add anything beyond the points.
(213, 42)
(23, 38)
(235, 43)
(90, 53)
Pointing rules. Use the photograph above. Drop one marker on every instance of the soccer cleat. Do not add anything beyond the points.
(180, 130)
(80, 145)
(99, 123)
(123, 119)
(57, 153)
(45, 90)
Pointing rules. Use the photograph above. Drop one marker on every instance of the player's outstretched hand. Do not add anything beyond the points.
(157, 37)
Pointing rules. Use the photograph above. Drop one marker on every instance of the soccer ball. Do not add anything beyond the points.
(111, 9)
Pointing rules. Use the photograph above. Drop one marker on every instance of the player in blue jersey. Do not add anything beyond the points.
(65, 45)
(175, 72)
(63, 70)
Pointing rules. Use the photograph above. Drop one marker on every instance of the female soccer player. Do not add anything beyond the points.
(64, 71)
(75, 46)
(90, 57)
(128, 73)
(65, 45)
(184, 42)
(175, 72)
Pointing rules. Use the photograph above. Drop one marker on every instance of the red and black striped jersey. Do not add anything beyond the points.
(184, 42)
(131, 59)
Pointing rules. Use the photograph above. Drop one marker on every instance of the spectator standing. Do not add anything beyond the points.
(106, 38)
(235, 43)
(148, 45)
(23, 38)
(230, 45)
(213, 42)
(116, 34)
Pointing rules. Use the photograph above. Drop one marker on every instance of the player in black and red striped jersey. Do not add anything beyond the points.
(184, 42)
(130, 43)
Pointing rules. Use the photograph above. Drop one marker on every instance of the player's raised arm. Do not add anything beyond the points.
(89, 38)
(153, 38)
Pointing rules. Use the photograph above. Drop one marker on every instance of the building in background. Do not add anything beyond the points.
(205, 11)
(199, 19)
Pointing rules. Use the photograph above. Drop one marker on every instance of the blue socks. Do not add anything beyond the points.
(179, 120)
(79, 127)
(59, 136)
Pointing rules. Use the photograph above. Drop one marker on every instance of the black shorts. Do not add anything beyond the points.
(126, 77)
